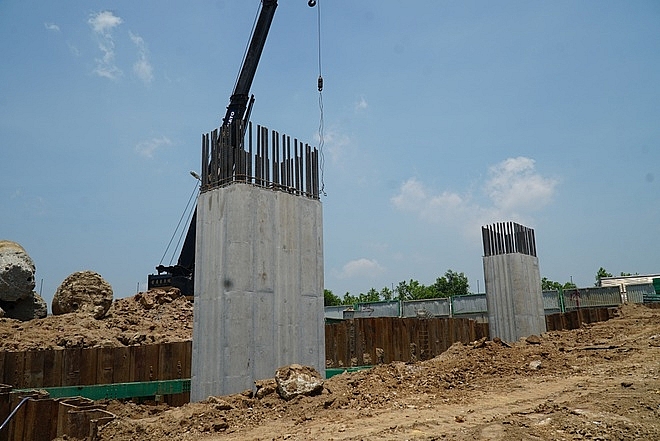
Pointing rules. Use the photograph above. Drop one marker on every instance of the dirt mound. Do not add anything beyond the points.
(599, 382)
(157, 316)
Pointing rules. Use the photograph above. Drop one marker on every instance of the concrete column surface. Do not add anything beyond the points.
(513, 296)
(258, 287)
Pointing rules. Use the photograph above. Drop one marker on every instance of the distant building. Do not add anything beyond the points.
(624, 281)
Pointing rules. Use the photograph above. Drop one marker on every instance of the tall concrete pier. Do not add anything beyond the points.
(258, 265)
(513, 281)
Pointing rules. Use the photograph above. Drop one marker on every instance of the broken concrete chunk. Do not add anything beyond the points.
(31, 307)
(295, 380)
(16, 272)
(83, 291)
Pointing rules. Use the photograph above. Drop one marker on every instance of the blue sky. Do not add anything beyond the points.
(439, 117)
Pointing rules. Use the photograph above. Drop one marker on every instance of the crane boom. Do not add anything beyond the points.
(181, 275)
(239, 99)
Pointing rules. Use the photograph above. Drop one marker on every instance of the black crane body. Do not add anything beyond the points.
(181, 275)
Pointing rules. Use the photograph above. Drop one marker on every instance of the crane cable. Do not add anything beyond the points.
(320, 88)
(247, 45)
(188, 215)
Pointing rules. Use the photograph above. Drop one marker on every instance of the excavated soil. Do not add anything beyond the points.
(157, 316)
(600, 382)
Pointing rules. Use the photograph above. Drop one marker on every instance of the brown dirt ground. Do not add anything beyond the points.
(600, 382)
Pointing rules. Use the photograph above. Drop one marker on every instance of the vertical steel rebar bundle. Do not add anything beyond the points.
(507, 238)
(263, 158)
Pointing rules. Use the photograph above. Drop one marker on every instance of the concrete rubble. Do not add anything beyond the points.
(295, 379)
(83, 291)
(16, 272)
(17, 297)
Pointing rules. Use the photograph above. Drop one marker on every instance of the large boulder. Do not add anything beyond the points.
(31, 307)
(16, 272)
(294, 380)
(83, 291)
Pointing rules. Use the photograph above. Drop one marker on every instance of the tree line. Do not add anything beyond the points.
(451, 284)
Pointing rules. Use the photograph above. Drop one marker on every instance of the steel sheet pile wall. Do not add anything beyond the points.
(513, 281)
(371, 341)
(575, 319)
(263, 158)
(40, 418)
(88, 366)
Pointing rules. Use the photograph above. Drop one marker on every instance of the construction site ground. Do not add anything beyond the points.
(599, 382)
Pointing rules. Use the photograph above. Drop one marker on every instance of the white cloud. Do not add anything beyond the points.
(149, 147)
(73, 49)
(102, 24)
(142, 67)
(336, 144)
(515, 184)
(361, 104)
(361, 268)
(52, 27)
(513, 190)
(415, 197)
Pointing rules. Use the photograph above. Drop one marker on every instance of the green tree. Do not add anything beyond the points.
(371, 296)
(451, 284)
(600, 274)
(411, 290)
(551, 285)
(348, 299)
(386, 293)
(329, 299)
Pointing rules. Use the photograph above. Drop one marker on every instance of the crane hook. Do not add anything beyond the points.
(311, 3)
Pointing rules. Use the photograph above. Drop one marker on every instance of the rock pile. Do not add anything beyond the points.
(17, 297)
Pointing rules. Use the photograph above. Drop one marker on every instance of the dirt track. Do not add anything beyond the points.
(600, 382)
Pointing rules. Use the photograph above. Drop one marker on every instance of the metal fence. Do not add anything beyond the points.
(470, 304)
(641, 293)
(475, 305)
(386, 308)
(336, 312)
(426, 308)
(595, 297)
(552, 303)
